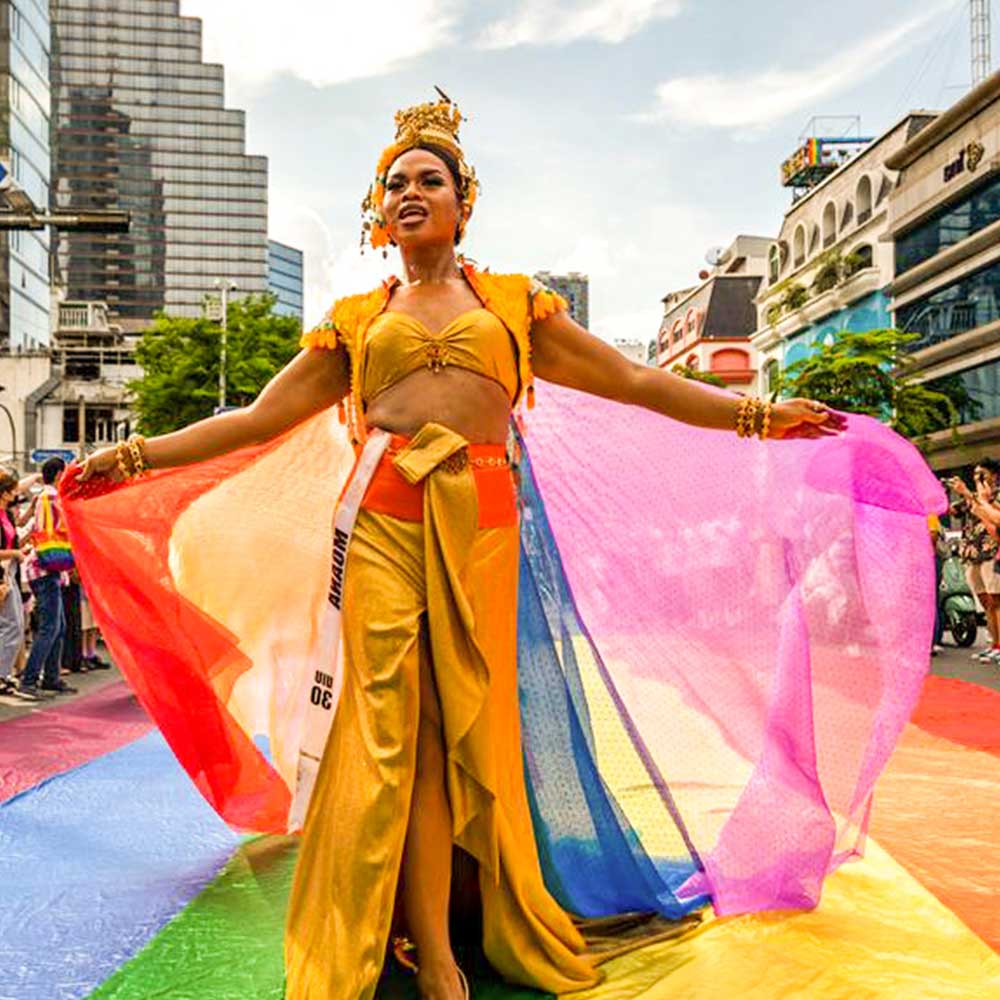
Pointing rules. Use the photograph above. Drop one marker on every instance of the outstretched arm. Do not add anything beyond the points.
(564, 353)
(313, 381)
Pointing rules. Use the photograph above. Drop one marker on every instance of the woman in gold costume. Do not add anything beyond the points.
(424, 752)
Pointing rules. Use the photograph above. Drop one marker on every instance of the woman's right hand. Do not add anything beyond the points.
(103, 462)
(959, 486)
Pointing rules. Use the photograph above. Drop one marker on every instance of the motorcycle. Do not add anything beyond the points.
(956, 603)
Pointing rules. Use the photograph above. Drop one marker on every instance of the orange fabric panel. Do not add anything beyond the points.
(389, 493)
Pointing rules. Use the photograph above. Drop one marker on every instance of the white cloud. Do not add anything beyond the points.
(321, 43)
(597, 256)
(717, 101)
(334, 265)
(550, 22)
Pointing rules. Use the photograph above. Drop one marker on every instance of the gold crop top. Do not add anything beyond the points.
(385, 345)
(398, 344)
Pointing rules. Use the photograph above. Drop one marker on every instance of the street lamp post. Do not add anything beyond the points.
(225, 287)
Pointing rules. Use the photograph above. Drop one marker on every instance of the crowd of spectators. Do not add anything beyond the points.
(46, 629)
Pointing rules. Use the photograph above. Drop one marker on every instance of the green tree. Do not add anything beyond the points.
(699, 376)
(867, 373)
(180, 362)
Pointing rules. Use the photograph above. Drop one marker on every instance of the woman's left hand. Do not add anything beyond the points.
(804, 418)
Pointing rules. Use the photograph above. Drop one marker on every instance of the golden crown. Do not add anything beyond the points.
(435, 123)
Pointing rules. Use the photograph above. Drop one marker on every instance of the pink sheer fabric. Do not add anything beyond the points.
(765, 613)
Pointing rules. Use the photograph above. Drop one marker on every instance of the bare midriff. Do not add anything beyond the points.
(468, 403)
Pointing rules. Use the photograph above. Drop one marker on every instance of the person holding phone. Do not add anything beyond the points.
(979, 544)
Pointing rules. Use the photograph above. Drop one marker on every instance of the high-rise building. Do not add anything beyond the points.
(24, 145)
(285, 277)
(574, 288)
(140, 124)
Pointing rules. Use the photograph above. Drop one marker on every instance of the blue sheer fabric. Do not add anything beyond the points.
(591, 856)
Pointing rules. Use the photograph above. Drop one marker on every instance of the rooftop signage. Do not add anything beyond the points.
(968, 159)
(817, 158)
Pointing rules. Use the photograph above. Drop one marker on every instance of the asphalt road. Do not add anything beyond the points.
(954, 662)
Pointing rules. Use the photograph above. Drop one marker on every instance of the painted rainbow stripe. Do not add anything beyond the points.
(120, 883)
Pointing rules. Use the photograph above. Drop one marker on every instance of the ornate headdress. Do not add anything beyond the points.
(433, 124)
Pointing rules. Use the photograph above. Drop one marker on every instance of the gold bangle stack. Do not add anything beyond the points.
(753, 417)
(131, 457)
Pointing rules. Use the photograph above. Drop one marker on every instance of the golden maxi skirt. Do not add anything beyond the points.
(432, 584)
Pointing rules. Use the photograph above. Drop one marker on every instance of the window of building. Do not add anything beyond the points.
(829, 224)
(982, 383)
(98, 422)
(814, 240)
(848, 217)
(773, 264)
(729, 359)
(863, 196)
(772, 372)
(71, 422)
(949, 225)
(799, 246)
(963, 305)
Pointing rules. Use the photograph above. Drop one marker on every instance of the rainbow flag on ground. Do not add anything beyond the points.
(120, 882)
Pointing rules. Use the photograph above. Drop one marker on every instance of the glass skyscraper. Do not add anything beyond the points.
(24, 144)
(284, 277)
(140, 124)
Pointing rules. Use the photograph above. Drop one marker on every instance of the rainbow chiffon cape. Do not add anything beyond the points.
(720, 641)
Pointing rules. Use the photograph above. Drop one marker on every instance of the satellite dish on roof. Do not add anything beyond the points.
(716, 256)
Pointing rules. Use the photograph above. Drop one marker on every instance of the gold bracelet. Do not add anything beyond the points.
(765, 427)
(741, 413)
(746, 416)
(137, 449)
(753, 418)
(123, 457)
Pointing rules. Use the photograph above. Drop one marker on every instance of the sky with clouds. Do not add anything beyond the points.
(617, 137)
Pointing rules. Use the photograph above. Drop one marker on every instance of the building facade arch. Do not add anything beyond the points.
(829, 224)
(863, 198)
(799, 245)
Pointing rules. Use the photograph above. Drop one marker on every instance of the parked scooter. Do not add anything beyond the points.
(956, 603)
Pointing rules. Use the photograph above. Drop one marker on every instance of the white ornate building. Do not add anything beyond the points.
(829, 268)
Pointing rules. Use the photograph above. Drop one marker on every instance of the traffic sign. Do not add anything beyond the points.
(6, 177)
(40, 455)
(213, 307)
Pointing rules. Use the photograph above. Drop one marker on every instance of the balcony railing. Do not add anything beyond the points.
(73, 317)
